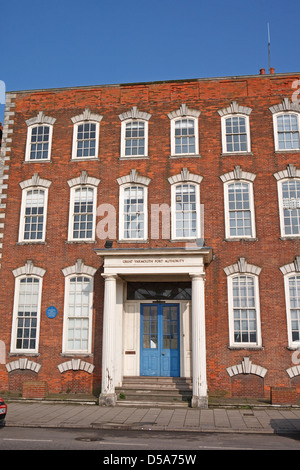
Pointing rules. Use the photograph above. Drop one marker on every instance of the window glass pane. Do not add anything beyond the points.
(159, 291)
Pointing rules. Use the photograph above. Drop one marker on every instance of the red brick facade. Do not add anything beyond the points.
(268, 250)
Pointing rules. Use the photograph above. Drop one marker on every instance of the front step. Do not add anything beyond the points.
(154, 391)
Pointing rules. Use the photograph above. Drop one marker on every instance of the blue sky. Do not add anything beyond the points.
(60, 43)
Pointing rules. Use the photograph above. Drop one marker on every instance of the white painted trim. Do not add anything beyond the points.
(29, 269)
(87, 115)
(23, 364)
(135, 178)
(242, 267)
(76, 364)
(79, 268)
(246, 367)
(235, 108)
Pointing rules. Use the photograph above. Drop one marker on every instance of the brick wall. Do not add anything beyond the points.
(158, 99)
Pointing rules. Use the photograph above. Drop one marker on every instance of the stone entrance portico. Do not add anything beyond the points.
(146, 265)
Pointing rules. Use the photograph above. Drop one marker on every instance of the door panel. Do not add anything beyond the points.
(160, 340)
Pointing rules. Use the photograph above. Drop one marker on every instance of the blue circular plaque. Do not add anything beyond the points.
(51, 312)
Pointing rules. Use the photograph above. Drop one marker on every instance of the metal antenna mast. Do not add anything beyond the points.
(269, 44)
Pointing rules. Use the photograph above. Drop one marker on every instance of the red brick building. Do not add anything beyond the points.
(152, 230)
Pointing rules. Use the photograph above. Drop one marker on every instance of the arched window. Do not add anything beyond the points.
(240, 208)
(235, 127)
(33, 214)
(286, 131)
(133, 207)
(184, 131)
(243, 304)
(82, 213)
(78, 313)
(27, 309)
(134, 133)
(236, 134)
(133, 222)
(86, 135)
(39, 138)
(286, 124)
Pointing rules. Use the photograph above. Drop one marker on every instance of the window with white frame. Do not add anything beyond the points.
(85, 141)
(78, 313)
(287, 131)
(133, 212)
(235, 127)
(134, 142)
(86, 135)
(185, 211)
(239, 217)
(243, 304)
(289, 205)
(184, 131)
(244, 309)
(39, 138)
(134, 133)
(33, 217)
(33, 213)
(185, 136)
(82, 213)
(27, 309)
(235, 134)
(292, 292)
(39, 142)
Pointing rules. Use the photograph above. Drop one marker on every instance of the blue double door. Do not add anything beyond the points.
(160, 355)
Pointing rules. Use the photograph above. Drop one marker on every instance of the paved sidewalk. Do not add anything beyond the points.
(278, 420)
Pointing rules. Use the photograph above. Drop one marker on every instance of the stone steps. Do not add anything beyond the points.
(155, 391)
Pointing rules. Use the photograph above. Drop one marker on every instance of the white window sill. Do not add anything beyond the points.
(134, 157)
(186, 155)
(239, 239)
(231, 154)
(85, 159)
